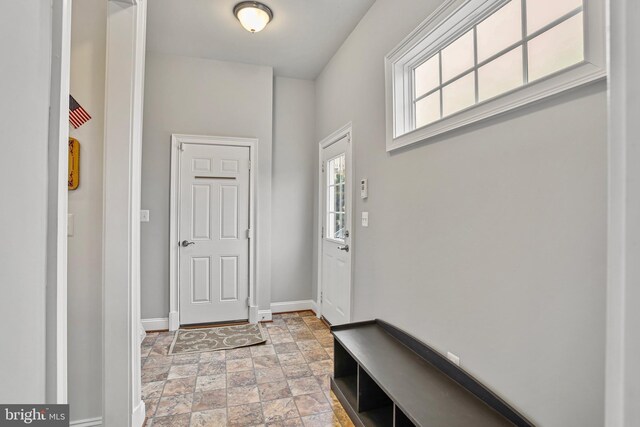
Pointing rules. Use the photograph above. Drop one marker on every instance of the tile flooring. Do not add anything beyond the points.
(282, 383)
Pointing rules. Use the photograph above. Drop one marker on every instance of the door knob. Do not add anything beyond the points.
(344, 248)
(186, 243)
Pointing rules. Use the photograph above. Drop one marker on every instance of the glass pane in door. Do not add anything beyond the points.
(336, 201)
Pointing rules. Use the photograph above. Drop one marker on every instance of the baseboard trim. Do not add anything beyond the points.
(138, 417)
(265, 316)
(286, 306)
(255, 315)
(158, 324)
(89, 422)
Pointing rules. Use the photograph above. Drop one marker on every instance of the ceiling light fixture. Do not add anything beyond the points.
(253, 15)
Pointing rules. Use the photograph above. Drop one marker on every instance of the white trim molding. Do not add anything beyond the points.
(121, 371)
(89, 422)
(622, 384)
(453, 19)
(56, 383)
(346, 130)
(157, 324)
(286, 306)
(265, 316)
(255, 212)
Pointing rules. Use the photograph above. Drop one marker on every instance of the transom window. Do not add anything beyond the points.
(522, 41)
(490, 56)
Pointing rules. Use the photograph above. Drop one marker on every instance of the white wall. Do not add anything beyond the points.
(25, 45)
(202, 97)
(88, 50)
(294, 154)
(488, 242)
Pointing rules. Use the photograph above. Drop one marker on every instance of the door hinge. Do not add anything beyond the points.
(249, 233)
(181, 146)
(249, 164)
(322, 233)
(321, 296)
(323, 167)
(249, 302)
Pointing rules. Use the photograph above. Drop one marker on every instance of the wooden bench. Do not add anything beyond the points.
(385, 377)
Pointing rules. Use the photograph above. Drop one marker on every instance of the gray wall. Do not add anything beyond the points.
(488, 242)
(25, 45)
(88, 49)
(202, 97)
(294, 154)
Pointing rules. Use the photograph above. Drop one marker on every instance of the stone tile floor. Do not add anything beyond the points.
(284, 382)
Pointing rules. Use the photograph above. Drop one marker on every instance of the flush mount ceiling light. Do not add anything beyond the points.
(253, 16)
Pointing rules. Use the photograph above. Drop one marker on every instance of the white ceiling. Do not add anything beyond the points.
(302, 37)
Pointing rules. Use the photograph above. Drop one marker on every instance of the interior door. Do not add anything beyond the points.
(214, 236)
(336, 252)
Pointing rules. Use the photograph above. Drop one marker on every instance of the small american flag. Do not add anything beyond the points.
(77, 115)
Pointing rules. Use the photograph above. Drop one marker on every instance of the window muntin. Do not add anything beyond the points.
(557, 44)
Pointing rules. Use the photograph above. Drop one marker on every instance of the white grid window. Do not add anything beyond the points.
(476, 58)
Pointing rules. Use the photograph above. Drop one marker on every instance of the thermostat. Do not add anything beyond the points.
(364, 188)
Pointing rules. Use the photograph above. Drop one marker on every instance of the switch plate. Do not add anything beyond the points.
(144, 216)
(452, 357)
(365, 219)
(71, 226)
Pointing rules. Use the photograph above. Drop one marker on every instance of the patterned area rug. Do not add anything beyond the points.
(220, 338)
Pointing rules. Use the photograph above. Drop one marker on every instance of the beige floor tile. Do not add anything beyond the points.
(237, 365)
(203, 401)
(269, 375)
(305, 385)
(183, 371)
(274, 390)
(179, 386)
(242, 395)
(211, 382)
(245, 415)
(310, 404)
(172, 421)
(174, 405)
(279, 410)
(211, 418)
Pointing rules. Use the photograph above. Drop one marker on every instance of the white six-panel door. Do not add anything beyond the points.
(213, 233)
(336, 239)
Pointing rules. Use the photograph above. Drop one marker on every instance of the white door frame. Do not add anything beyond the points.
(56, 373)
(622, 408)
(124, 95)
(346, 130)
(174, 219)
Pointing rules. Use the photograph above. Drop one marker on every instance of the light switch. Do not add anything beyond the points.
(70, 225)
(365, 219)
(144, 216)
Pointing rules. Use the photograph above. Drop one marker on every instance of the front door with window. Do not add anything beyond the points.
(336, 252)
(214, 242)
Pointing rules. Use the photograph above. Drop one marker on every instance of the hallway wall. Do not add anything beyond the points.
(202, 97)
(88, 53)
(488, 241)
(26, 48)
(294, 153)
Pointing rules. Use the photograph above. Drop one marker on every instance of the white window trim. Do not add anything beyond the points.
(447, 23)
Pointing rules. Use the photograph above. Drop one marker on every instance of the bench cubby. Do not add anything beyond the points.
(385, 377)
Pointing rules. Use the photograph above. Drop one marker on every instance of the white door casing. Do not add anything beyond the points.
(336, 241)
(214, 233)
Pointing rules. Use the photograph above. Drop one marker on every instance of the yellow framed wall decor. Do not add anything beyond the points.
(74, 163)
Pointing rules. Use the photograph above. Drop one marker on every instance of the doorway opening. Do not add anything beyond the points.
(335, 247)
(212, 231)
